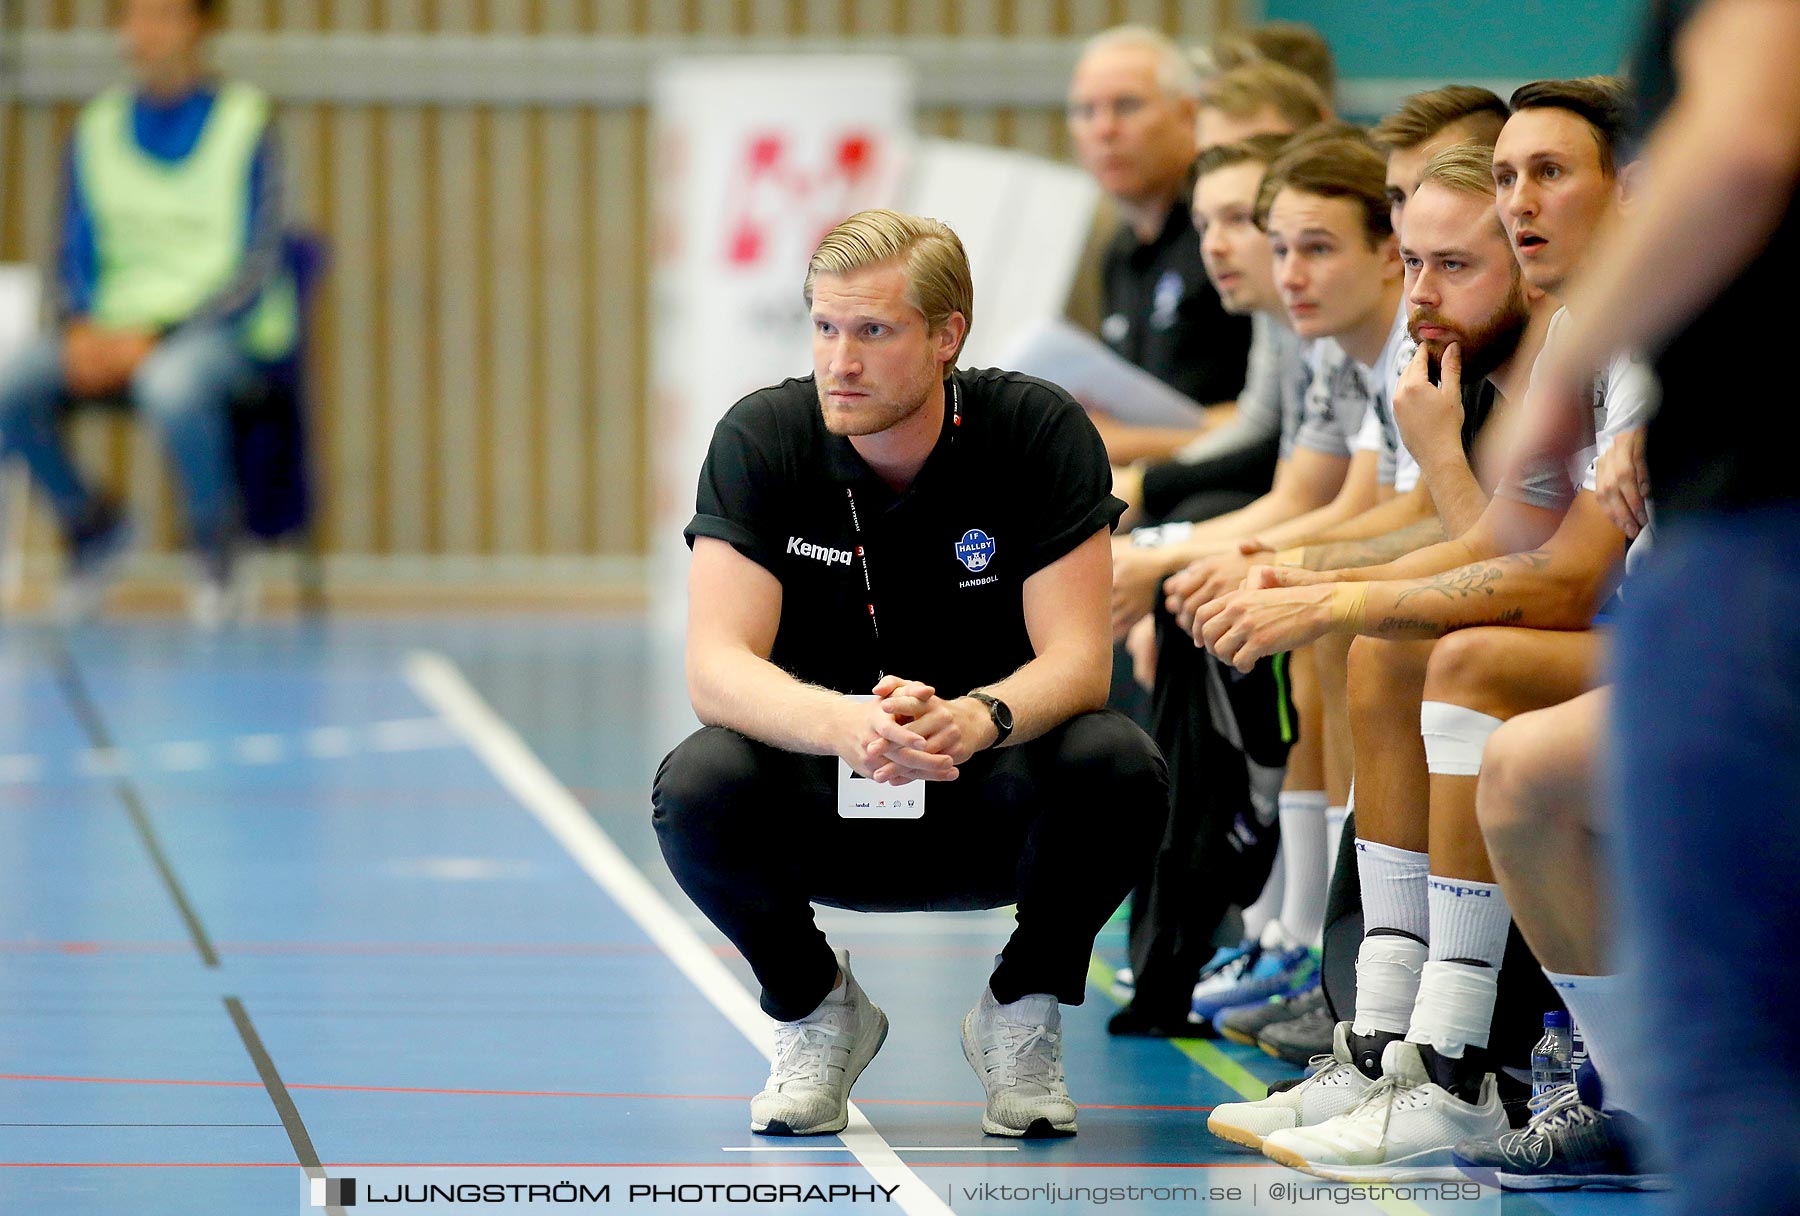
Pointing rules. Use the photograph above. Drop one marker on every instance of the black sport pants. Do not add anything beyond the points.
(1061, 825)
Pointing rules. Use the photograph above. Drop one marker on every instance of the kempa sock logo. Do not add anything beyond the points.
(334, 1192)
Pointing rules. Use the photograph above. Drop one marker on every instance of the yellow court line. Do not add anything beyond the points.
(1201, 1052)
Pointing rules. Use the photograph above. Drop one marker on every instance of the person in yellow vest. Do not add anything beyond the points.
(171, 293)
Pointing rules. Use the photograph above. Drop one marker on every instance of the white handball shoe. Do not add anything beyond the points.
(817, 1060)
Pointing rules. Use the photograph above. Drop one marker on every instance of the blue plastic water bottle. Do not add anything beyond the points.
(1552, 1060)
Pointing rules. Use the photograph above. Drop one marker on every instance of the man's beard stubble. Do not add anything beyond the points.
(1485, 346)
(879, 412)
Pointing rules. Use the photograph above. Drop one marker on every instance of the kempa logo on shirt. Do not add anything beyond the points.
(819, 553)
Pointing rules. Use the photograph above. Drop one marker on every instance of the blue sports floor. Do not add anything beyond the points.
(299, 902)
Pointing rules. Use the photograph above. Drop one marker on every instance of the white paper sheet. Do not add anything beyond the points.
(1062, 353)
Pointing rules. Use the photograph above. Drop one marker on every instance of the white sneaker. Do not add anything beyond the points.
(1016, 1050)
(94, 566)
(1404, 1129)
(1335, 1087)
(817, 1060)
(214, 604)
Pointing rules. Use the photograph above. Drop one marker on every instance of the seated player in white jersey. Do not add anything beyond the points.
(1445, 905)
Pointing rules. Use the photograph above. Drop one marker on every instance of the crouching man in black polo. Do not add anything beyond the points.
(898, 636)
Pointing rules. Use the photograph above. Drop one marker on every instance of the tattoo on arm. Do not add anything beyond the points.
(1418, 627)
(1465, 582)
(1343, 555)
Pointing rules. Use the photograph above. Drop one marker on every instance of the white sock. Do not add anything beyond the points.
(1469, 920)
(1334, 835)
(1387, 983)
(1454, 737)
(1305, 862)
(1261, 914)
(1597, 1004)
(1454, 1008)
(1393, 888)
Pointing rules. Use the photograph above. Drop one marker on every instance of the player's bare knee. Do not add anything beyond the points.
(1465, 667)
(1377, 669)
(1506, 803)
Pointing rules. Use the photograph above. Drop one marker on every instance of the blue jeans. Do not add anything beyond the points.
(1705, 791)
(185, 387)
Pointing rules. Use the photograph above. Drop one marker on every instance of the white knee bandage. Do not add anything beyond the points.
(1454, 737)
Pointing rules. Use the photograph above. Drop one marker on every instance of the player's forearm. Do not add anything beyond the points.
(1535, 590)
(1377, 520)
(1315, 524)
(1377, 550)
(1223, 532)
(1127, 444)
(732, 687)
(1455, 494)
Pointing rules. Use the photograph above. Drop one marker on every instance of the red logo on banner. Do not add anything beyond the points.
(783, 180)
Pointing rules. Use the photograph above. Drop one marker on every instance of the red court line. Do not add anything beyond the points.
(520, 1093)
(437, 949)
(477, 949)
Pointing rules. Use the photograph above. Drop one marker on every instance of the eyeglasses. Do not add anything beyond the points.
(1120, 107)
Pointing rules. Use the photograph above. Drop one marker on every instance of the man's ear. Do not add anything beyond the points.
(1627, 182)
(1390, 253)
(950, 337)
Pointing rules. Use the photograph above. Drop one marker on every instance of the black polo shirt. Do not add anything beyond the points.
(1159, 311)
(1019, 483)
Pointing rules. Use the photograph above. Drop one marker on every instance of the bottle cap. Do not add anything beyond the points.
(1556, 1019)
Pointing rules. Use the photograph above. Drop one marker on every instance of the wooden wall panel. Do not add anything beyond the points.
(480, 341)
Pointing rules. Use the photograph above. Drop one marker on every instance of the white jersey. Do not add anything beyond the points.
(1380, 433)
(1625, 394)
(1337, 401)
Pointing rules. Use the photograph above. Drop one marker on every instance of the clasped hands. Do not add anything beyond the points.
(98, 362)
(909, 733)
(1243, 612)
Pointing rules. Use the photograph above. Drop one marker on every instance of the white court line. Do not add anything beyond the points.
(186, 757)
(103, 762)
(439, 683)
(20, 769)
(330, 742)
(259, 749)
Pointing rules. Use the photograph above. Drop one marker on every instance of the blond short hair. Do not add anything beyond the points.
(1467, 168)
(1245, 90)
(938, 282)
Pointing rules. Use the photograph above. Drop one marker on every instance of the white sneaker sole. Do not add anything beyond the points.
(841, 1120)
(1237, 1135)
(1578, 1182)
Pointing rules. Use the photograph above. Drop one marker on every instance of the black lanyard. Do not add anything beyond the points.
(862, 550)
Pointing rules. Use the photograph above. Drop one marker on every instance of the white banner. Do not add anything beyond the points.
(755, 158)
(1023, 221)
